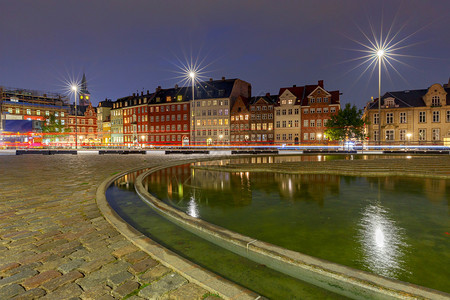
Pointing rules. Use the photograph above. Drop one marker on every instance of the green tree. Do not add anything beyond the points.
(53, 126)
(346, 124)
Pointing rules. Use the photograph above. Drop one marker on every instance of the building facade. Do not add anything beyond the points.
(104, 116)
(210, 117)
(117, 123)
(411, 117)
(240, 122)
(82, 125)
(262, 118)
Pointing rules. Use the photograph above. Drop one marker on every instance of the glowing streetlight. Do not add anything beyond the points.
(380, 54)
(408, 135)
(75, 89)
(192, 75)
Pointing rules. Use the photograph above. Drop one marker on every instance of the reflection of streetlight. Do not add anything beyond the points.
(192, 75)
(74, 89)
(380, 53)
(220, 138)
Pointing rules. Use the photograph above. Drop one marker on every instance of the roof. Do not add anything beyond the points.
(302, 92)
(270, 99)
(412, 98)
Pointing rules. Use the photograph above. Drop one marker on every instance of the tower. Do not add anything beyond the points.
(85, 96)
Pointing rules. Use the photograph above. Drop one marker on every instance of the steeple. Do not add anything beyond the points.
(85, 96)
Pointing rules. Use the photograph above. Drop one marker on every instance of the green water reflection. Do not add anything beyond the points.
(391, 226)
(123, 199)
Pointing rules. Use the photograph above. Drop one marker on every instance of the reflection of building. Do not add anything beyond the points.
(421, 116)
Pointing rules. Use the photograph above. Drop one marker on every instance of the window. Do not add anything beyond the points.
(296, 111)
(403, 117)
(305, 123)
(305, 136)
(435, 101)
(284, 124)
(283, 112)
(389, 135)
(402, 134)
(277, 137)
(376, 135)
(278, 124)
(333, 109)
(290, 101)
(389, 118)
(422, 134)
(436, 116)
(422, 117)
(325, 110)
(436, 134)
(296, 123)
(325, 99)
(312, 136)
(319, 123)
(290, 111)
(305, 111)
(448, 115)
(312, 123)
(277, 112)
(319, 110)
(290, 123)
(313, 110)
(290, 136)
(312, 100)
(375, 119)
(319, 100)
(284, 136)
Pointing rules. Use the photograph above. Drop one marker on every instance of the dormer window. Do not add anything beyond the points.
(389, 102)
(435, 101)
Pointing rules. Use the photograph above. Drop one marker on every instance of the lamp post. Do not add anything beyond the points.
(74, 89)
(380, 54)
(192, 75)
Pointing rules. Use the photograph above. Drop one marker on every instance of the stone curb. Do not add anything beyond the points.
(326, 274)
(189, 270)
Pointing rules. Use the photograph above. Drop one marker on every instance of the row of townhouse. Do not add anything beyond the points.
(222, 112)
(412, 116)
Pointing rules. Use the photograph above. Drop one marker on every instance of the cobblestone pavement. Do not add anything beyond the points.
(55, 244)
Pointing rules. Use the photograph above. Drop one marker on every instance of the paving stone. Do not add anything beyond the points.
(188, 291)
(18, 277)
(51, 245)
(153, 274)
(135, 257)
(143, 265)
(64, 279)
(125, 289)
(96, 264)
(124, 251)
(11, 290)
(95, 292)
(9, 266)
(166, 284)
(119, 278)
(39, 279)
(80, 253)
(23, 268)
(71, 265)
(120, 244)
(30, 294)
(68, 291)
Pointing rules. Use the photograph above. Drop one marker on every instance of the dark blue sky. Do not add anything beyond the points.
(125, 46)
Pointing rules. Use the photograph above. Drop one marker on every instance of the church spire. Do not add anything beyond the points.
(85, 96)
(84, 84)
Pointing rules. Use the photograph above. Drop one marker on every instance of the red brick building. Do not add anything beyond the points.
(262, 119)
(86, 122)
(240, 121)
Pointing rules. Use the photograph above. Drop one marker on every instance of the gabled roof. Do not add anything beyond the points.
(302, 92)
(270, 99)
(412, 98)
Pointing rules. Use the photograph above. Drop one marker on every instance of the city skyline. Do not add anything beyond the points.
(128, 47)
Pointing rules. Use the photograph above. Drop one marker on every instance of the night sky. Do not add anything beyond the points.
(129, 46)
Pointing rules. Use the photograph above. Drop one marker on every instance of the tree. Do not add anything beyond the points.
(53, 126)
(347, 123)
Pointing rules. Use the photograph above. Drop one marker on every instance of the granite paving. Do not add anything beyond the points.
(55, 243)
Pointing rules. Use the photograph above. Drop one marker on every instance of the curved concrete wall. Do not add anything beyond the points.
(337, 278)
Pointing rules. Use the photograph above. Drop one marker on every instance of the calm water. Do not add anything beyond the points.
(122, 197)
(395, 227)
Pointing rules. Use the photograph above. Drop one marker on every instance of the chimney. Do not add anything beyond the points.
(148, 92)
(142, 93)
(267, 94)
(320, 83)
(210, 80)
(294, 85)
(158, 88)
(223, 78)
(134, 94)
(176, 86)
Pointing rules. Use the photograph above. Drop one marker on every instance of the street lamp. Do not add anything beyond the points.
(192, 75)
(74, 89)
(408, 135)
(380, 54)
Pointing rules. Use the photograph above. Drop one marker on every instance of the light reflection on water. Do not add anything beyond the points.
(382, 241)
